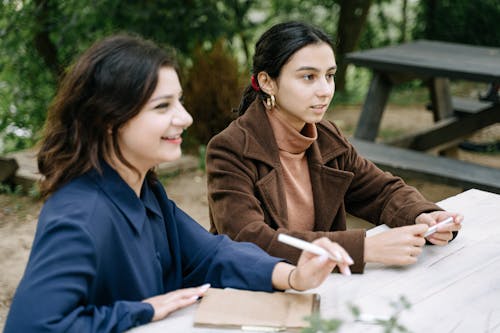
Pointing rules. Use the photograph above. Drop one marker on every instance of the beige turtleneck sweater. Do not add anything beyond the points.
(292, 147)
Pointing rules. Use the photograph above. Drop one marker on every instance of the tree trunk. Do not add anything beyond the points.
(43, 44)
(352, 20)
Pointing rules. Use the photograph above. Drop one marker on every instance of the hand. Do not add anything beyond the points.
(312, 269)
(397, 246)
(444, 234)
(167, 303)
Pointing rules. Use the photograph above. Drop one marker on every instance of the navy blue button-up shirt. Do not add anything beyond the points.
(99, 250)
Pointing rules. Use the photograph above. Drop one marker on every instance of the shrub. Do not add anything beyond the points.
(212, 91)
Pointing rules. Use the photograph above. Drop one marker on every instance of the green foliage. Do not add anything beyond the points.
(202, 155)
(211, 92)
(389, 324)
(39, 39)
(461, 21)
(317, 324)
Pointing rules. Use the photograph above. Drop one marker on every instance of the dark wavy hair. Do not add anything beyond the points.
(273, 50)
(106, 86)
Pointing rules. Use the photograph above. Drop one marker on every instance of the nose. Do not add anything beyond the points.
(326, 87)
(181, 117)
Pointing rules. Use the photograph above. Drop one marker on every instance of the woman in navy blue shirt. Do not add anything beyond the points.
(111, 251)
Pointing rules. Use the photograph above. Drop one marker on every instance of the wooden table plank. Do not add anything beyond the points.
(425, 58)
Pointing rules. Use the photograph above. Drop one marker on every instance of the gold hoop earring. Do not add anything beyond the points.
(270, 102)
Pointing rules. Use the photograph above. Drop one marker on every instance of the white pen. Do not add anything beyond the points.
(434, 228)
(309, 247)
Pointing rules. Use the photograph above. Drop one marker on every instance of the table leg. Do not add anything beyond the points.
(440, 98)
(442, 107)
(373, 108)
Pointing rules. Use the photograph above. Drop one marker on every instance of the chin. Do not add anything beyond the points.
(172, 156)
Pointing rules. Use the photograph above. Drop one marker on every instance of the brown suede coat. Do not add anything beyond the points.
(247, 199)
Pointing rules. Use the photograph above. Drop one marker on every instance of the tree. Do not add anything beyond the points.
(39, 38)
(460, 21)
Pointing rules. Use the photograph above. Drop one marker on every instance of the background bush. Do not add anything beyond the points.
(212, 90)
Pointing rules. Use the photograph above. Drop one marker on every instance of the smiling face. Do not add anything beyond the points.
(153, 136)
(305, 86)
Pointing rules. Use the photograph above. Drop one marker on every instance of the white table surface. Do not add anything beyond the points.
(452, 288)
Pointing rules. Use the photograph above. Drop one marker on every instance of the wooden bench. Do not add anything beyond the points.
(468, 116)
(414, 164)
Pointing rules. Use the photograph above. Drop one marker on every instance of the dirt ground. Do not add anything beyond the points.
(18, 215)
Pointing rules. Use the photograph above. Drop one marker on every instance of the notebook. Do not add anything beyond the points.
(255, 310)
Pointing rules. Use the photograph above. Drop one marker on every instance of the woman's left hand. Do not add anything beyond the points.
(444, 234)
(312, 269)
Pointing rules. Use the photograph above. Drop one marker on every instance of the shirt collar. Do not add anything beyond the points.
(122, 195)
(149, 199)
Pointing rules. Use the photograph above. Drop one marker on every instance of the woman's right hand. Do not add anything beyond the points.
(167, 303)
(397, 246)
(312, 269)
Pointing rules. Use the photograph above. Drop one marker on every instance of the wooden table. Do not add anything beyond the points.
(455, 118)
(452, 288)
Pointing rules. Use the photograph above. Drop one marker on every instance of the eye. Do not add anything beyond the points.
(330, 76)
(181, 99)
(308, 77)
(162, 107)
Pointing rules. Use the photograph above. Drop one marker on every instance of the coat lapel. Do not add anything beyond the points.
(329, 183)
(260, 145)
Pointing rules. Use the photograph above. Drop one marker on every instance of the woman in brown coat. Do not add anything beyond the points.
(281, 168)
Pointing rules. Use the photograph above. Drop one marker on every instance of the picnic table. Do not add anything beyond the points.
(452, 288)
(435, 63)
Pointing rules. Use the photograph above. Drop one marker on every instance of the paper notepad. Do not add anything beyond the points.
(233, 308)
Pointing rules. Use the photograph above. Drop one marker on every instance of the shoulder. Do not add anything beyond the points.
(329, 133)
(233, 135)
(80, 203)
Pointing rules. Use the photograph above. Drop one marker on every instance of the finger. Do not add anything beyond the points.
(449, 227)
(444, 236)
(425, 218)
(338, 252)
(416, 229)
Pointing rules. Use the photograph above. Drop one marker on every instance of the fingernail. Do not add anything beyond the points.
(349, 260)
(338, 256)
(347, 271)
(194, 298)
(204, 287)
(322, 258)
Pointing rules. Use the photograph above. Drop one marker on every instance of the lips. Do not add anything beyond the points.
(174, 138)
(320, 106)
(171, 137)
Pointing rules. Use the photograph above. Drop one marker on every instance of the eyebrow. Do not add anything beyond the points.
(308, 68)
(165, 97)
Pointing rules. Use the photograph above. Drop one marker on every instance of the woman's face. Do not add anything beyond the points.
(153, 136)
(305, 86)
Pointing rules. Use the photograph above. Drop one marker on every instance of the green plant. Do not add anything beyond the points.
(202, 152)
(389, 324)
(211, 92)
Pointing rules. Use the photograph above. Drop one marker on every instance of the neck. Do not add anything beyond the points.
(131, 177)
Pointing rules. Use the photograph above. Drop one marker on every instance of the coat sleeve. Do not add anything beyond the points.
(236, 211)
(52, 296)
(379, 197)
(220, 261)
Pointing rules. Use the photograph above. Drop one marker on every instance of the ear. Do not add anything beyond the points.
(266, 83)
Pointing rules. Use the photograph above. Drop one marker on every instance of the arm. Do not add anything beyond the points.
(53, 294)
(225, 263)
(380, 197)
